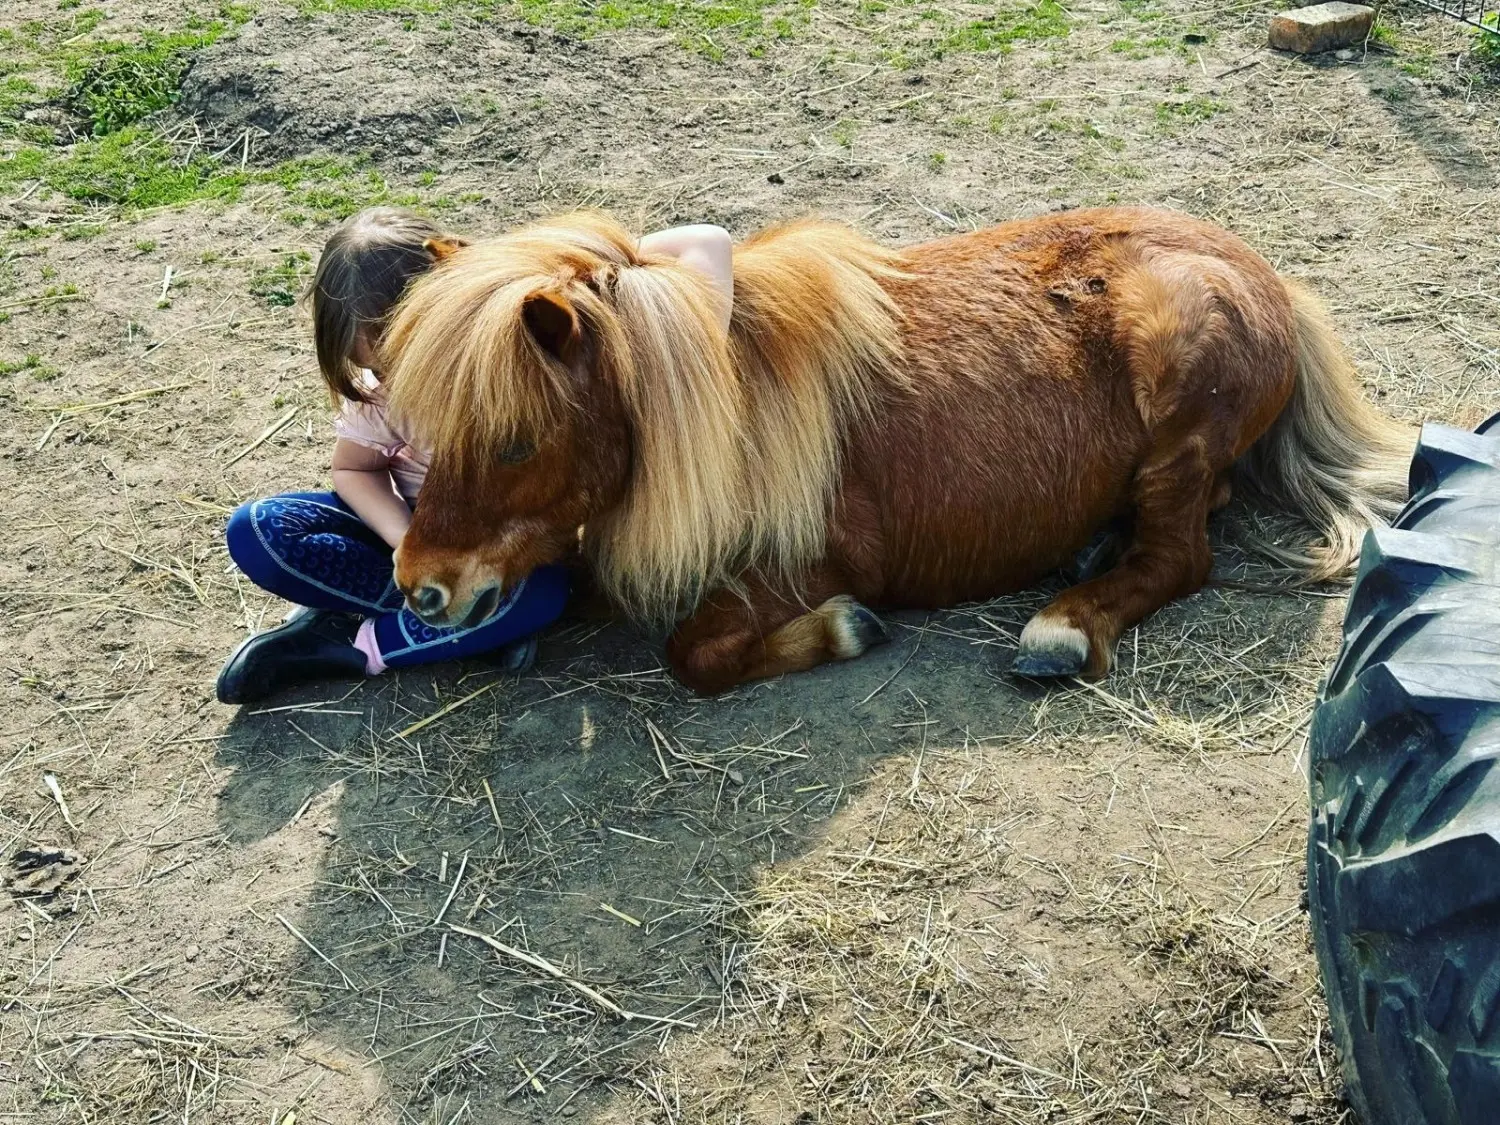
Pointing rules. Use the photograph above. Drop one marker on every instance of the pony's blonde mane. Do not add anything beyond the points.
(737, 442)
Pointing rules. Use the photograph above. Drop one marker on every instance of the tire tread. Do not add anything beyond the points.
(1404, 843)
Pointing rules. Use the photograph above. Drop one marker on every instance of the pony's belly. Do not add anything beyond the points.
(968, 524)
(941, 570)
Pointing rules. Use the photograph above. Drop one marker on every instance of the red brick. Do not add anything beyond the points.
(1323, 27)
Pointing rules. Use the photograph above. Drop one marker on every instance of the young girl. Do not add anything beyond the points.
(331, 552)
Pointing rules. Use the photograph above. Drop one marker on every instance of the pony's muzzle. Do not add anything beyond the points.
(428, 602)
(485, 604)
(434, 605)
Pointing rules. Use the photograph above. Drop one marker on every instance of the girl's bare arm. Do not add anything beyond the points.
(708, 249)
(362, 478)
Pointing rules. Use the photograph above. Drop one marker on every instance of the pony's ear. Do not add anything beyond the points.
(553, 324)
(441, 248)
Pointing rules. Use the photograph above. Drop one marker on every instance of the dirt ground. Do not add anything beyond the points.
(907, 889)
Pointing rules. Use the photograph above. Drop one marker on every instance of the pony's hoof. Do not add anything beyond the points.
(870, 630)
(1051, 648)
(1046, 665)
(854, 628)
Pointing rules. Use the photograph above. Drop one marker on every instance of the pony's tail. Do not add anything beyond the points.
(1330, 458)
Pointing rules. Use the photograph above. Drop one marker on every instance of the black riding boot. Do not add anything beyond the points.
(314, 646)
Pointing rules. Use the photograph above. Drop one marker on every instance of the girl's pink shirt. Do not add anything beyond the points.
(369, 424)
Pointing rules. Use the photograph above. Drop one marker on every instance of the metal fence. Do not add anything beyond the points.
(1480, 13)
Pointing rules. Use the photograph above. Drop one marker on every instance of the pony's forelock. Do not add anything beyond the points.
(465, 374)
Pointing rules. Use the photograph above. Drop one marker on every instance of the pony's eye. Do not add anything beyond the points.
(517, 452)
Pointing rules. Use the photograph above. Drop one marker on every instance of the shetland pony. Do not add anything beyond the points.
(881, 428)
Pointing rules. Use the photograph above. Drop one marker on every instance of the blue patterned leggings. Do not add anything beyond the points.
(311, 549)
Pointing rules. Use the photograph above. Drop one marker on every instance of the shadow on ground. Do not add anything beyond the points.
(599, 817)
(1423, 113)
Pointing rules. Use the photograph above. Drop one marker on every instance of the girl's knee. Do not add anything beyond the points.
(254, 545)
(245, 547)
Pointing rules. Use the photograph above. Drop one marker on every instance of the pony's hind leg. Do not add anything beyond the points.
(1168, 558)
(759, 633)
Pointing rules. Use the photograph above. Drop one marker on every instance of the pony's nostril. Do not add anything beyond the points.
(428, 599)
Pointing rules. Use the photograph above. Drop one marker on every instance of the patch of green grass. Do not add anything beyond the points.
(1142, 48)
(399, 7)
(124, 164)
(145, 245)
(1045, 19)
(325, 188)
(1487, 46)
(1199, 107)
(937, 161)
(279, 284)
(1414, 56)
(16, 94)
(31, 56)
(132, 168)
(108, 83)
(1419, 65)
(1160, 30)
(113, 84)
(704, 26)
(1079, 126)
(29, 362)
(898, 58)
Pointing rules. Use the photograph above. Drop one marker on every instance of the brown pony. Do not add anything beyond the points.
(881, 428)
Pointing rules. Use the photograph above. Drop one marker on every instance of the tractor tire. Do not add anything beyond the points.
(1404, 849)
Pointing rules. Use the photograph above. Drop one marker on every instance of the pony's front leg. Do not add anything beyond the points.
(763, 630)
(1169, 557)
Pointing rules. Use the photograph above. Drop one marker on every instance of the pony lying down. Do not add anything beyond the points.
(880, 429)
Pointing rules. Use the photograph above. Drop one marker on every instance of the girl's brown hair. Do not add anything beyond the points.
(365, 267)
